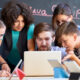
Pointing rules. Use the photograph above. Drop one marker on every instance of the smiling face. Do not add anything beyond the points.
(61, 18)
(68, 41)
(44, 41)
(19, 23)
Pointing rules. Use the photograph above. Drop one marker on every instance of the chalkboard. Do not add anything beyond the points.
(42, 9)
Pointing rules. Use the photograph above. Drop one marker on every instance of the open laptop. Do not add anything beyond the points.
(36, 62)
(55, 63)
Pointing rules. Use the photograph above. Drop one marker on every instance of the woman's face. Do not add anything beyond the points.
(19, 23)
(61, 18)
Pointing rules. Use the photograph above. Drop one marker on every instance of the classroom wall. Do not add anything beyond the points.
(42, 9)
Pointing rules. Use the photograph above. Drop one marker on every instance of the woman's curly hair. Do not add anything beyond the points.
(12, 10)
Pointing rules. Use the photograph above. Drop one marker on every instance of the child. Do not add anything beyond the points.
(69, 36)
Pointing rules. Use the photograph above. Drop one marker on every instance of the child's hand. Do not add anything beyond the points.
(70, 55)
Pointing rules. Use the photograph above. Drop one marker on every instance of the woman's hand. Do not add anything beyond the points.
(4, 73)
(6, 67)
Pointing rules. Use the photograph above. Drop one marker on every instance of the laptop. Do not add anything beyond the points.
(36, 62)
(55, 63)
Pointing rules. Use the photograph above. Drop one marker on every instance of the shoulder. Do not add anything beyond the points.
(55, 48)
(30, 32)
(63, 50)
(31, 26)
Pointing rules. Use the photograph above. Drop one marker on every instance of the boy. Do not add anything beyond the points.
(69, 36)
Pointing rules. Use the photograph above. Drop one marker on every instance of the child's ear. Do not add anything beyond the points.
(75, 36)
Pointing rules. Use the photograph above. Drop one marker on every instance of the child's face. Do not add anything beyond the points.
(68, 41)
(19, 23)
(62, 18)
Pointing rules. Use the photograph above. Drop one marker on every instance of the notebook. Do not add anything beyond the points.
(36, 62)
(72, 66)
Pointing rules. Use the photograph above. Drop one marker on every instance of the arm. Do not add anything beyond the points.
(72, 56)
(30, 45)
(30, 41)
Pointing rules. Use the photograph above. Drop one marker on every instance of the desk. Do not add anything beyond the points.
(44, 78)
(32, 78)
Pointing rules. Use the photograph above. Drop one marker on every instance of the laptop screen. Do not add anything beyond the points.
(36, 62)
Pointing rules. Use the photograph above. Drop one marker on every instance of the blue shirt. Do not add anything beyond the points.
(63, 50)
(30, 32)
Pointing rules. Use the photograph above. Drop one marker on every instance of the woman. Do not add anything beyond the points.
(18, 38)
(62, 13)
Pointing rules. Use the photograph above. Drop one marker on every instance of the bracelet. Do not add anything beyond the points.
(3, 63)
